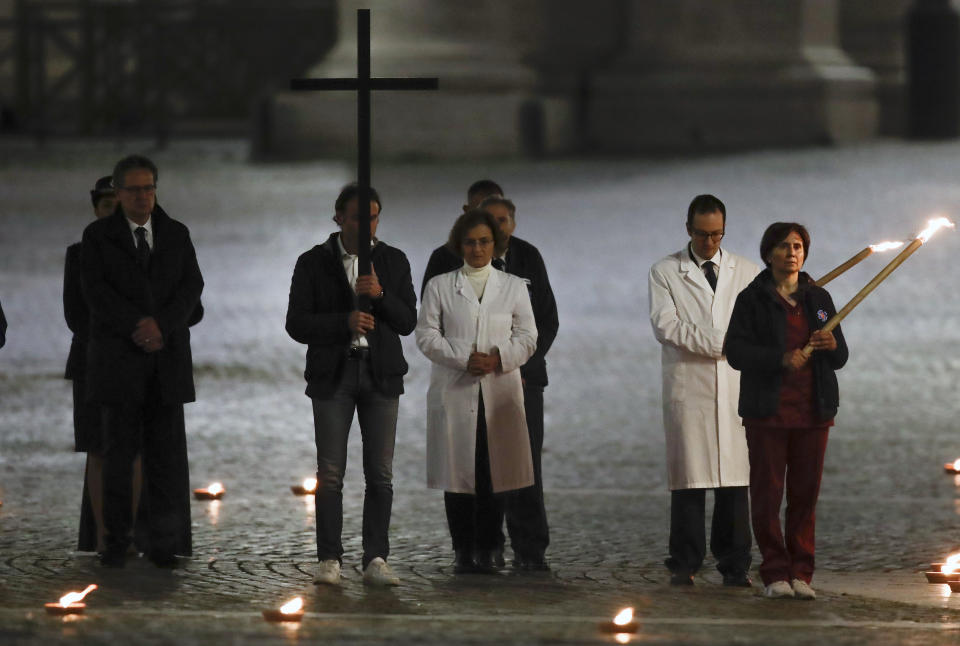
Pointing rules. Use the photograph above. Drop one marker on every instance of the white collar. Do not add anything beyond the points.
(717, 257)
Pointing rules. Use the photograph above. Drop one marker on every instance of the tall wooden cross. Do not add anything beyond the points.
(363, 84)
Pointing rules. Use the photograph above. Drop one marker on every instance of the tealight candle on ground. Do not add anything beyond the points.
(290, 611)
(622, 623)
(69, 603)
(308, 488)
(945, 572)
(952, 467)
(214, 492)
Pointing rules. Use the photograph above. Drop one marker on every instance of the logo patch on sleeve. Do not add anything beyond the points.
(822, 315)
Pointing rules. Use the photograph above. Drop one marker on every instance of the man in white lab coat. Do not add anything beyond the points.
(692, 293)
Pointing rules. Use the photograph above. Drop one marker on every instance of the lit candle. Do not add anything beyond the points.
(290, 611)
(933, 226)
(945, 572)
(952, 467)
(69, 603)
(622, 623)
(309, 487)
(213, 492)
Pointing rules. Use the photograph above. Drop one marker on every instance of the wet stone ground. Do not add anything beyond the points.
(886, 508)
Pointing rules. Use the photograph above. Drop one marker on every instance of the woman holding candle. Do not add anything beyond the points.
(787, 400)
(476, 325)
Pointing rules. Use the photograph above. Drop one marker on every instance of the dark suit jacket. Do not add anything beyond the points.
(3, 328)
(523, 260)
(119, 293)
(321, 299)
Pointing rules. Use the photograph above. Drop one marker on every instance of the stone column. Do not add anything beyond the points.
(872, 33)
(488, 103)
(701, 74)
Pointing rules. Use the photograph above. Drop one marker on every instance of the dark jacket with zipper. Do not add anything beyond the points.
(756, 343)
(321, 300)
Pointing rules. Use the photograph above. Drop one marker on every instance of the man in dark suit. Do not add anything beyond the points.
(141, 281)
(354, 362)
(525, 512)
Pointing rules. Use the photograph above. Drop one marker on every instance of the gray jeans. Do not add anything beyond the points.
(332, 418)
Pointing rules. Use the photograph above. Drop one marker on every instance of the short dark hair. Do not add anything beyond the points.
(481, 189)
(129, 163)
(351, 191)
(705, 203)
(469, 220)
(494, 200)
(777, 233)
(103, 187)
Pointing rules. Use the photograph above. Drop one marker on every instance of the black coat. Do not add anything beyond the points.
(3, 327)
(119, 293)
(77, 314)
(321, 299)
(523, 260)
(756, 343)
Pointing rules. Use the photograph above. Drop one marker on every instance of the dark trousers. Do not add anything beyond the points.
(799, 452)
(729, 530)
(525, 512)
(332, 417)
(475, 519)
(156, 430)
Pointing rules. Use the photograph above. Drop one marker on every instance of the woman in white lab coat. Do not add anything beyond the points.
(476, 325)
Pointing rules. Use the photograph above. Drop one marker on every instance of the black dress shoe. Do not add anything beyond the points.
(485, 563)
(530, 564)
(679, 578)
(737, 580)
(113, 558)
(463, 562)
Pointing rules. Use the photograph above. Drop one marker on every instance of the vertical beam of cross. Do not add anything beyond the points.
(363, 85)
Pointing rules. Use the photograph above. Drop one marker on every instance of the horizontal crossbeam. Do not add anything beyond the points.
(373, 84)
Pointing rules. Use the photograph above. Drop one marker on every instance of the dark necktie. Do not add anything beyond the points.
(499, 264)
(711, 275)
(143, 249)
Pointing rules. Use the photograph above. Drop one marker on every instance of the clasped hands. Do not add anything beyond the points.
(483, 363)
(147, 335)
(819, 340)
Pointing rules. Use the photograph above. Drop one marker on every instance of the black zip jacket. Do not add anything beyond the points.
(756, 343)
(321, 300)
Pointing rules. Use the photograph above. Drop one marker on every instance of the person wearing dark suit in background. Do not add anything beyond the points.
(141, 281)
(525, 511)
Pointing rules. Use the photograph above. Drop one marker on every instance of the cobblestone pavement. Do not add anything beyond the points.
(886, 508)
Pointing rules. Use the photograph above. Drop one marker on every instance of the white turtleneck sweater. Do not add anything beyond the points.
(477, 276)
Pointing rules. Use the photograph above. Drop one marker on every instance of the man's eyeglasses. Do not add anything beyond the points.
(716, 236)
(149, 189)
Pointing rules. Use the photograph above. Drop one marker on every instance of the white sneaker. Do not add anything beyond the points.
(379, 573)
(328, 572)
(803, 590)
(778, 590)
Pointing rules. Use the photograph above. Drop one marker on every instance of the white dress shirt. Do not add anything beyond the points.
(350, 266)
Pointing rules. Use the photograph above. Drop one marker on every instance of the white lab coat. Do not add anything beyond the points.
(451, 324)
(706, 443)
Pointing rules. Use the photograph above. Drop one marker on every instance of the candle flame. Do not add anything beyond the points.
(952, 564)
(310, 485)
(933, 225)
(74, 597)
(215, 488)
(956, 464)
(624, 617)
(292, 606)
(886, 246)
(622, 638)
